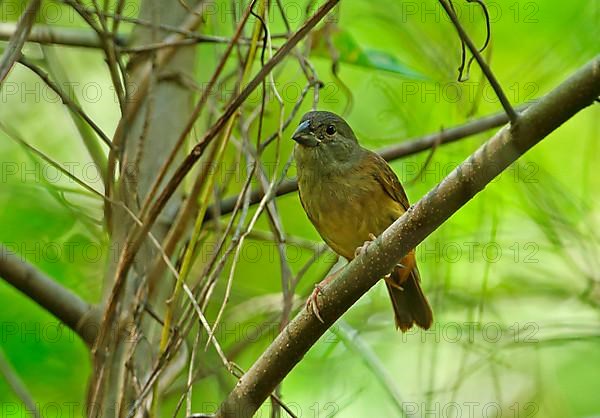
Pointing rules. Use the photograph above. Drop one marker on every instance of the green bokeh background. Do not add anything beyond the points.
(517, 268)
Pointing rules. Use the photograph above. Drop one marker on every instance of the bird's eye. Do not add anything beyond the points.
(330, 130)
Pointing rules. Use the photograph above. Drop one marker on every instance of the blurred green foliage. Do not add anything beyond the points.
(513, 277)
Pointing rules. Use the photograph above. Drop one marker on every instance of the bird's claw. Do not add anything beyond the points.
(396, 286)
(312, 304)
(399, 265)
(363, 248)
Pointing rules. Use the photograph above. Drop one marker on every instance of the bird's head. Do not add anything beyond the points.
(324, 138)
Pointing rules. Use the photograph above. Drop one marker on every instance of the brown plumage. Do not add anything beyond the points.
(350, 193)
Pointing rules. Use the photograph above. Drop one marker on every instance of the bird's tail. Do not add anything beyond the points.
(409, 302)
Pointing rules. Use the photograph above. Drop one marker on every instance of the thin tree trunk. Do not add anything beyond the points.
(149, 136)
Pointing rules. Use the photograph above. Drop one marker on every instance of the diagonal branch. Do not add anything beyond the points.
(137, 235)
(18, 387)
(485, 68)
(143, 73)
(13, 51)
(65, 305)
(81, 120)
(512, 141)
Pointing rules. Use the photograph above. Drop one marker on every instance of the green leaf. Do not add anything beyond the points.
(331, 40)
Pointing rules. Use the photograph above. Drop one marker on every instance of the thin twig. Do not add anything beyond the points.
(428, 160)
(468, 179)
(139, 234)
(408, 147)
(49, 294)
(163, 56)
(512, 115)
(13, 50)
(192, 119)
(52, 35)
(18, 387)
(67, 101)
(354, 342)
(488, 35)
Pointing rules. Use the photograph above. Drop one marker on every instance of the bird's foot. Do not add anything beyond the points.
(388, 278)
(312, 303)
(363, 248)
(399, 265)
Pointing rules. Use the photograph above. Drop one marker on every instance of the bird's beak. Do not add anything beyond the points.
(304, 136)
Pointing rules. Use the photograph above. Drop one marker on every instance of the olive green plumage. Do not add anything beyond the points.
(348, 193)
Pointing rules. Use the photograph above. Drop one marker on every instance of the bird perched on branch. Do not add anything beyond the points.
(351, 194)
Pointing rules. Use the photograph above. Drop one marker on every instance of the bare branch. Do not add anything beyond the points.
(394, 152)
(49, 294)
(512, 141)
(80, 118)
(18, 387)
(84, 38)
(46, 34)
(13, 50)
(192, 119)
(512, 115)
(143, 77)
(138, 234)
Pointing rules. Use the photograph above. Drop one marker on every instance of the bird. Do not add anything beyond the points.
(350, 194)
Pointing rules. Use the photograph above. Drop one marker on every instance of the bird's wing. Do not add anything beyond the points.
(384, 174)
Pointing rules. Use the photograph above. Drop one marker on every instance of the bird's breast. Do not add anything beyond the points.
(345, 209)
